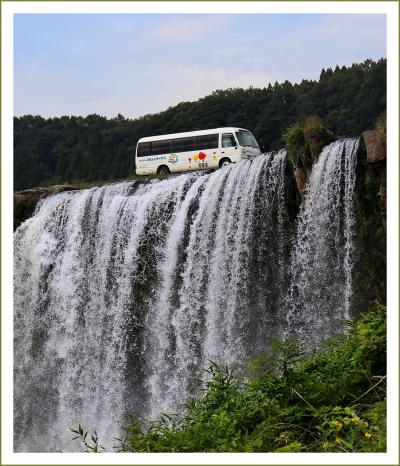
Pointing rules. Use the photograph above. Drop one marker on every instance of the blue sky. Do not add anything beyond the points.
(135, 64)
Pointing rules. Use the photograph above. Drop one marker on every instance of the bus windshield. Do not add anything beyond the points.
(246, 139)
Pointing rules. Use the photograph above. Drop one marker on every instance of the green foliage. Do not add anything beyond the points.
(304, 141)
(332, 401)
(316, 135)
(296, 145)
(85, 149)
(89, 441)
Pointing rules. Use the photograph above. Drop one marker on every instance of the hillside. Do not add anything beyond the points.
(75, 148)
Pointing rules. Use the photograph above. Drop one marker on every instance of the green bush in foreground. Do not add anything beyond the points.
(333, 401)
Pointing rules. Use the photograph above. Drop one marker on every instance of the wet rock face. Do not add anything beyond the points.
(375, 145)
(25, 201)
(370, 232)
(301, 175)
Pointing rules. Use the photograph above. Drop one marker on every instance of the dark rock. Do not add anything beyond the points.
(25, 201)
(375, 145)
(301, 175)
(369, 270)
(382, 194)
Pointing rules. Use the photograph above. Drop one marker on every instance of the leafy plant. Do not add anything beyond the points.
(296, 145)
(304, 141)
(90, 441)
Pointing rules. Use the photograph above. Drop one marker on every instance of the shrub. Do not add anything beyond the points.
(304, 141)
(296, 145)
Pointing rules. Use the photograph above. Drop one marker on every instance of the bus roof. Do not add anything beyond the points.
(190, 133)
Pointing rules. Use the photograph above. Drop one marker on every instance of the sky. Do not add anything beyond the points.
(136, 64)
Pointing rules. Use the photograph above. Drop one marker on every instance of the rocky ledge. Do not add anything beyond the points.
(25, 201)
(373, 143)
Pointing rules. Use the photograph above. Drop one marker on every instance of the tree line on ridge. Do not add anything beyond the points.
(93, 148)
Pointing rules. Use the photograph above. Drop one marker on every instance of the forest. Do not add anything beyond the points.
(95, 148)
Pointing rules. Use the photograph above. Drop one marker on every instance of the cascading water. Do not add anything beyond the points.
(320, 293)
(124, 293)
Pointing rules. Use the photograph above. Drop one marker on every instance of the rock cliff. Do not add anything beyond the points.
(25, 201)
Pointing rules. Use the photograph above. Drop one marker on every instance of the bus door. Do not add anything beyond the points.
(229, 147)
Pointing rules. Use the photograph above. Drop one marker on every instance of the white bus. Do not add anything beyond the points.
(179, 152)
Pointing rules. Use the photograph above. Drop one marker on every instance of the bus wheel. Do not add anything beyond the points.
(163, 170)
(224, 162)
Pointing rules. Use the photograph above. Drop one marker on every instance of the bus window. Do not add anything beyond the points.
(183, 144)
(246, 139)
(143, 149)
(209, 141)
(228, 140)
(161, 147)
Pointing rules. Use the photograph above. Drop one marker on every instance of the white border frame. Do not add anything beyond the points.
(391, 10)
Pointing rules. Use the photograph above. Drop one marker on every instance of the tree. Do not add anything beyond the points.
(93, 148)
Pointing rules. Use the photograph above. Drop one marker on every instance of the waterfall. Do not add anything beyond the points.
(124, 293)
(320, 293)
